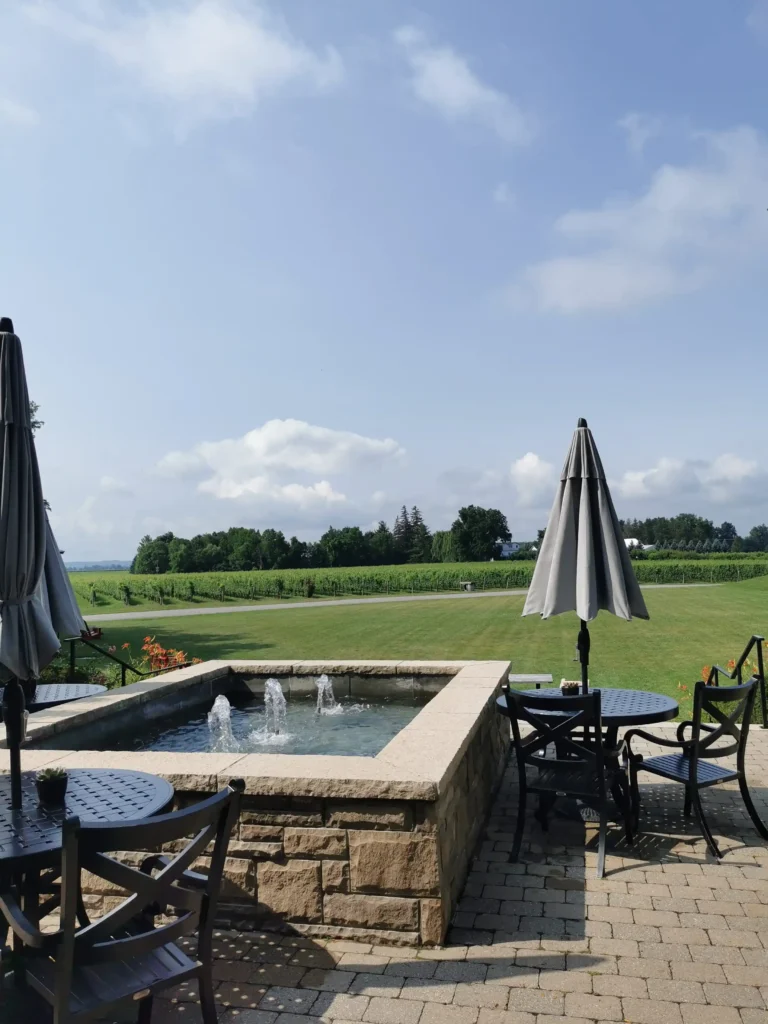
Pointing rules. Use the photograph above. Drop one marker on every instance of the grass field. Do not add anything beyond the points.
(688, 628)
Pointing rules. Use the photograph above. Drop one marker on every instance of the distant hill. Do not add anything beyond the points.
(96, 566)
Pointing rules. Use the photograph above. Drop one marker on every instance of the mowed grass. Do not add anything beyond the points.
(689, 627)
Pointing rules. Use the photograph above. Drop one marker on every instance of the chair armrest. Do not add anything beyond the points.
(629, 736)
(684, 725)
(20, 924)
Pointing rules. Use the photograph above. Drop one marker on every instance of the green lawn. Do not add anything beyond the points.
(688, 628)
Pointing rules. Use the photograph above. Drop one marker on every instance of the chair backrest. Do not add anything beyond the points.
(115, 936)
(732, 723)
(555, 721)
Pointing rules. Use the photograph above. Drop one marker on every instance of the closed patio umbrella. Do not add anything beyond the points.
(28, 639)
(57, 593)
(583, 564)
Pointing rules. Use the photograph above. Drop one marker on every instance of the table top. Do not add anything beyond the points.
(620, 707)
(94, 794)
(48, 695)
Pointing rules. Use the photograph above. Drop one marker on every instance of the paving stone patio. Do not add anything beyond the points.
(667, 937)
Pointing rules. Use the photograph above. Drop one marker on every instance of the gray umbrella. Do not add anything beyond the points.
(57, 593)
(584, 565)
(28, 640)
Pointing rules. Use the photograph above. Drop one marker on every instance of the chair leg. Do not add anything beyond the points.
(687, 805)
(519, 828)
(145, 1011)
(634, 793)
(746, 796)
(207, 1002)
(625, 806)
(705, 830)
(601, 841)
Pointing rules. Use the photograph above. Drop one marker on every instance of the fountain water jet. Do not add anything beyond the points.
(275, 706)
(326, 701)
(220, 725)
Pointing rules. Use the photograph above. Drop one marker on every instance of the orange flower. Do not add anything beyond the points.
(731, 665)
(705, 672)
(125, 647)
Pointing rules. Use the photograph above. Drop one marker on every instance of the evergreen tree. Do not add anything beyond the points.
(421, 538)
(706, 546)
(402, 535)
(716, 545)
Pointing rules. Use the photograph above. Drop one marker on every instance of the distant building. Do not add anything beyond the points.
(507, 548)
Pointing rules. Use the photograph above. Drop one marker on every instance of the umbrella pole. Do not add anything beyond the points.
(583, 644)
(13, 716)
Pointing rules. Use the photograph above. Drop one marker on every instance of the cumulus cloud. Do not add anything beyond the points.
(211, 58)
(259, 464)
(692, 225)
(726, 478)
(12, 112)
(111, 485)
(534, 480)
(443, 80)
(640, 129)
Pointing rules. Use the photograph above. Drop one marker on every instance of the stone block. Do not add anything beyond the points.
(394, 862)
(335, 876)
(360, 814)
(371, 911)
(432, 927)
(292, 890)
(315, 842)
(261, 833)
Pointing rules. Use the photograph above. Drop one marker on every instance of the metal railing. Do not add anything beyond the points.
(737, 673)
(125, 666)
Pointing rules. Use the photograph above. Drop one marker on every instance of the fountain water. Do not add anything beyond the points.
(326, 701)
(220, 725)
(276, 707)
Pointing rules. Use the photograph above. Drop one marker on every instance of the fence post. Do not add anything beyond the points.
(122, 675)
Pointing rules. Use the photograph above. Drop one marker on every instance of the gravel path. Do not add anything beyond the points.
(399, 599)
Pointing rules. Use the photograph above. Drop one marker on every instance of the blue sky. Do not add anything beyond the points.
(296, 264)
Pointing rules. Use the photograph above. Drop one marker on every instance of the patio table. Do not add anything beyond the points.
(30, 838)
(619, 708)
(49, 695)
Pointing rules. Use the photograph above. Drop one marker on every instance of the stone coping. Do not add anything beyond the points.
(417, 764)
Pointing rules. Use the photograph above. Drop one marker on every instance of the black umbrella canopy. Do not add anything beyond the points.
(28, 640)
(584, 565)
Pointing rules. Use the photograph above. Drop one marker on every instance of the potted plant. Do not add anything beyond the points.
(52, 786)
(570, 687)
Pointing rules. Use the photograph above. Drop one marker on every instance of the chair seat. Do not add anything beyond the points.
(677, 767)
(107, 983)
(576, 781)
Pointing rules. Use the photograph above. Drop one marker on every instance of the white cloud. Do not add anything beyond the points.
(258, 464)
(640, 129)
(111, 485)
(534, 480)
(693, 224)
(210, 58)
(442, 79)
(726, 478)
(504, 196)
(17, 113)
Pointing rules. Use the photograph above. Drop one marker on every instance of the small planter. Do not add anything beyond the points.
(570, 688)
(52, 789)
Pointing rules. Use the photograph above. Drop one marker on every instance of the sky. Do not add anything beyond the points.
(296, 264)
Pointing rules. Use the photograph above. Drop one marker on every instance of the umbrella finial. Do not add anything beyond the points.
(6, 324)
(582, 422)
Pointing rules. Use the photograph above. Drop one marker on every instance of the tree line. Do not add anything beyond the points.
(475, 536)
(688, 532)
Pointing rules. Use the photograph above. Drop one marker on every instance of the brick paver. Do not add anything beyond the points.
(667, 937)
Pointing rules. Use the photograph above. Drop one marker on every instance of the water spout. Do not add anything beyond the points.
(326, 700)
(275, 707)
(220, 725)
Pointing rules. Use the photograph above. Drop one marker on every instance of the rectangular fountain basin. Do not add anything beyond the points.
(366, 846)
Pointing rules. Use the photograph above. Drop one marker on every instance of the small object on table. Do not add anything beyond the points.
(52, 786)
(570, 687)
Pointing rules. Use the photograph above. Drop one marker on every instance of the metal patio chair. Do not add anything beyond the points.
(688, 765)
(582, 766)
(86, 972)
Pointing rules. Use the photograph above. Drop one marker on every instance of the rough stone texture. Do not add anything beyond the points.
(384, 862)
(371, 911)
(314, 842)
(261, 833)
(335, 876)
(292, 891)
(378, 814)
(433, 922)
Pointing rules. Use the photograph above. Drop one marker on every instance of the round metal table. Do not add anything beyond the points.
(49, 695)
(31, 836)
(618, 707)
